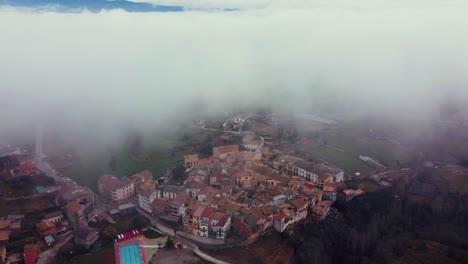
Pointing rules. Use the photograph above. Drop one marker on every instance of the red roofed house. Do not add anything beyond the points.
(27, 168)
(31, 253)
(220, 225)
(240, 227)
(147, 193)
(330, 191)
(224, 151)
(79, 213)
(115, 189)
(309, 171)
(243, 177)
(141, 177)
(349, 194)
(308, 185)
(320, 210)
(178, 205)
(281, 221)
(160, 206)
(190, 161)
(204, 222)
(196, 216)
(47, 228)
(301, 205)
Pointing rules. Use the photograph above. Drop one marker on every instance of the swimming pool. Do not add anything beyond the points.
(130, 254)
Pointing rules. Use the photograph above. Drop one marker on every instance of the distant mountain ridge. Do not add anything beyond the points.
(91, 5)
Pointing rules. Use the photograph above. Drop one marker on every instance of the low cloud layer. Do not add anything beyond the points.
(116, 69)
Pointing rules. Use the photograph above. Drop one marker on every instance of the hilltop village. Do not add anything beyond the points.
(231, 195)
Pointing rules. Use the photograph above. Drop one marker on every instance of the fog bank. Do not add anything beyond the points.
(111, 70)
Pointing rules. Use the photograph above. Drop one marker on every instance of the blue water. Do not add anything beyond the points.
(130, 254)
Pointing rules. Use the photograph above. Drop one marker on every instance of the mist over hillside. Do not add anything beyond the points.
(102, 73)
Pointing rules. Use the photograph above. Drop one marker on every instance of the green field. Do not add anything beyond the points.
(343, 160)
(342, 145)
(353, 139)
(164, 151)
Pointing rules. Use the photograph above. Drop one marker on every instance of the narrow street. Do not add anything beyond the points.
(184, 238)
(48, 256)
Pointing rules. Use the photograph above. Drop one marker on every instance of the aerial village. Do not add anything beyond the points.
(232, 197)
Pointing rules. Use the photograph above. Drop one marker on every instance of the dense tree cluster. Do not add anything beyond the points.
(382, 227)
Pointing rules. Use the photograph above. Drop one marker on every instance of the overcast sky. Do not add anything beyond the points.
(114, 68)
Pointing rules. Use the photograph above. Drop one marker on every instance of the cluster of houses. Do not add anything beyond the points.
(75, 207)
(244, 191)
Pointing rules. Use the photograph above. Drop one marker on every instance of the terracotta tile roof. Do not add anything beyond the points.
(227, 189)
(317, 193)
(267, 210)
(295, 181)
(223, 220)
(31, 253)
(193, 206)
(323, 171)
(208, 163)
(4, 222)
(74, 207)
(159, 205)
(27, 168)
(320, 207)
(299, 203)
(225, 149)
(217, 215)
(191, 158)
(208, 190)
(359, 192)
(289, 159)
(329, 187)
(4, 235)
(146, 188)
(309, 185)
(181, 199)
(268, 172)
(144, 174)
(199, 211)
(207, 213)
(46, 227)
(112, 182)
(280, 216)
(53, 215)
(250, 156)
(306, 165)
(243, 173)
